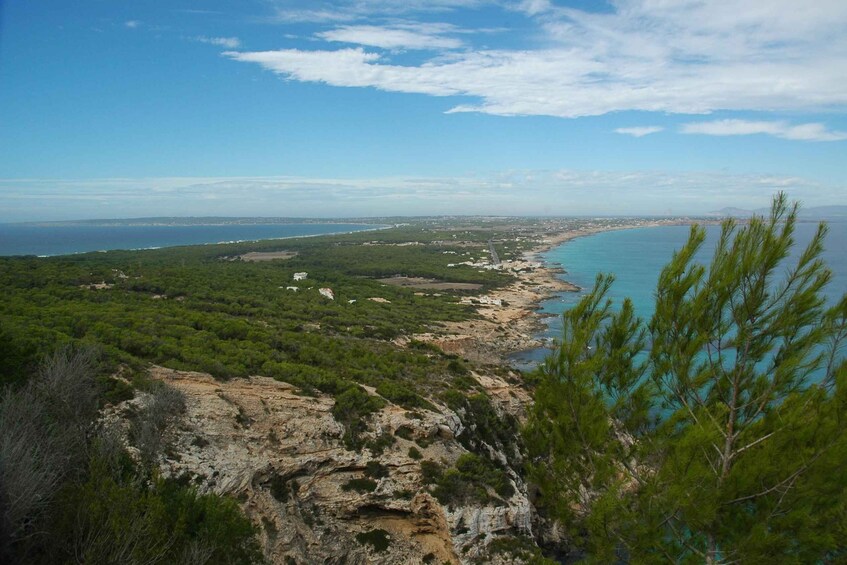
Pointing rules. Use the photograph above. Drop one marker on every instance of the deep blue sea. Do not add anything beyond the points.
(636, 257)
(44, 240)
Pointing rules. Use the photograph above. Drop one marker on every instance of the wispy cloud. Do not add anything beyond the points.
(132, 24)
(323, 11)
(534, 7)
(228, 42)
(781, 129)
(397, 36)
(674, 57)
(639, 131)
(512, 192)
(200, 12)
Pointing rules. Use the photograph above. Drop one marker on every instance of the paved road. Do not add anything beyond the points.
(495, 259)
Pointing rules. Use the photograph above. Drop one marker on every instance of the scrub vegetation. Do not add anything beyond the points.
(715, 433)
(71, 491)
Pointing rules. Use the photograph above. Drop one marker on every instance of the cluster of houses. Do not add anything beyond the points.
(515, 266)
(325, 292)
(482, 300)
(478, 265)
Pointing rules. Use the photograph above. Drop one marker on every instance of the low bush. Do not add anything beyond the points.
(360, 485)
(147, 431)
(470, 481)
(378, 539)
(376, 470)
(351, 409)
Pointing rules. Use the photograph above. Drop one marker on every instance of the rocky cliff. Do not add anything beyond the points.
(282, 455)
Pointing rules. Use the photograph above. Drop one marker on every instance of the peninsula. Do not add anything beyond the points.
(351, 392)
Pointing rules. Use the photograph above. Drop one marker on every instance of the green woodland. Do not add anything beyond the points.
(712, 433)
(195, 308)
(82, 318)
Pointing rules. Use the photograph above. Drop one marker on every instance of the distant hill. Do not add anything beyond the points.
(811, 213)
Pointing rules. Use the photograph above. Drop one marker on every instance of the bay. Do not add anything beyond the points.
(63, 239)
(636, 257)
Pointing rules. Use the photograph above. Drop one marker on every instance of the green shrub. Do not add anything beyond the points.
(404, 432)
(401, 394)
(351, 409)
(115, 391)
(466, 483)
(414, 453)
(456, 367)
(483, 425)
(431, 472)
(360, 485)
(119, 519)
(378, 539)
(454, 399)
(483, 471)
(376, 470)
(380, 443)
(424, 346)
(282, 488)
(520, 549)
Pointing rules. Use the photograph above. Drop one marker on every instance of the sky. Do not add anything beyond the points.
(112, 109)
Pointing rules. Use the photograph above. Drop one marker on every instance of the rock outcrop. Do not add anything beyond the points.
(281, 454)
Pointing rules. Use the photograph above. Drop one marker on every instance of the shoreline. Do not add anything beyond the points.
(511, 320)
(378, 227)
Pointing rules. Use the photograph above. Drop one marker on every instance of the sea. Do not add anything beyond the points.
(636, 256)
(63, 239)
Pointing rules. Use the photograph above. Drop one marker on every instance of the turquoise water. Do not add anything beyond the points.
(44, 240)
(637, 256)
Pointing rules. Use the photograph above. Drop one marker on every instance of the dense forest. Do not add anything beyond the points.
(79, 331)
(202, 308)
(713, 432)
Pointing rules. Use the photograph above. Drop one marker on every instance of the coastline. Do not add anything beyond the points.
(509, 317)
(376, 227)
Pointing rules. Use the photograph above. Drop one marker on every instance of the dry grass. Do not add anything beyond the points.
(428, 284)
(258, 256)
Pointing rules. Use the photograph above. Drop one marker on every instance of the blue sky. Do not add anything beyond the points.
(377, 107)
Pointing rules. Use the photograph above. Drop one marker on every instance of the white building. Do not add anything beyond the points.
(327, 292)
(490, 301)
(300, 276)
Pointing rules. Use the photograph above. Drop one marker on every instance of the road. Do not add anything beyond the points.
(495, 259)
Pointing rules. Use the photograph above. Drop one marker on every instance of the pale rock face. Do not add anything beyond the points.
(484, 523)
(281, 454)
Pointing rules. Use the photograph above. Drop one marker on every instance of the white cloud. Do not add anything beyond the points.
(534, 7)
(640, 131)
(132, 24)
(228, 42)
(687, 57)
(323, 11)
(516, 192)
(781, 129)
(399, 36)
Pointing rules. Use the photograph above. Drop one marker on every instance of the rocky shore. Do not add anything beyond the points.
(509, 319)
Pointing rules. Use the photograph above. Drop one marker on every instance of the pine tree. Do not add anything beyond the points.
(721, 441)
